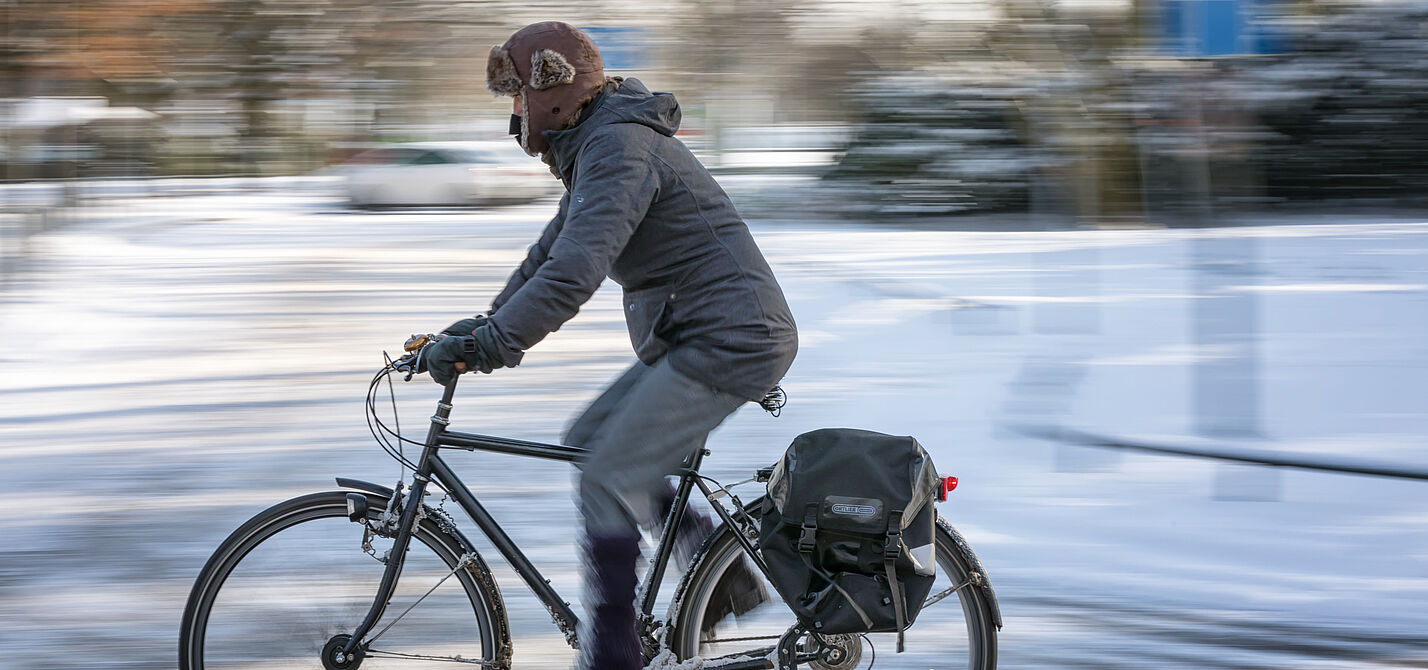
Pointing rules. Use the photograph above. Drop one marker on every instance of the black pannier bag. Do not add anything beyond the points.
(847, 530)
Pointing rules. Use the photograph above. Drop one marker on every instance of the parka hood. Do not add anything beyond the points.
(627, 101)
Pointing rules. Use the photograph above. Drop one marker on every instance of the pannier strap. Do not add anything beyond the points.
(806, 545)
(891, 549)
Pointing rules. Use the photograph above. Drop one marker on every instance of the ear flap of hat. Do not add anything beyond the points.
(501, 76)
(549, 68)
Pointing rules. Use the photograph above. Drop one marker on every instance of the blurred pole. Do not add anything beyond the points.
(1064, 194)
(1065, 136)
(1224, 322)
(1224, 332)
(1225, 319)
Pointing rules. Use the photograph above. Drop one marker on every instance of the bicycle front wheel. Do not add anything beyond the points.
(955, 629)
(292, 579)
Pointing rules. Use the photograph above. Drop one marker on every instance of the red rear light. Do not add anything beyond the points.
(945, 485)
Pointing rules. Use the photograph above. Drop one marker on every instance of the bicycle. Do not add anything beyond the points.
(302, 584)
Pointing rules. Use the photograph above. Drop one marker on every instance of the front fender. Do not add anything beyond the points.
(974, 564)
(360, 485)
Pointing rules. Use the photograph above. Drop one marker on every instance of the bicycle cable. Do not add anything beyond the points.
(381, 432)
(374, 417)
(389, 432)
(373, 421)
(396, 417)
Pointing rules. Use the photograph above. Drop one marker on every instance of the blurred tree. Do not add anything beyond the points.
(937, 143)
(1084, 118)
(105, 48)
(1349, 109)
(79, 47)
(1342, 114)
(735, 52)
(253, 66)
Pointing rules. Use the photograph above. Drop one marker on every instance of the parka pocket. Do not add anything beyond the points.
(645, 316)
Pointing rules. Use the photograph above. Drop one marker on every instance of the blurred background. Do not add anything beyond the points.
(1011, 228)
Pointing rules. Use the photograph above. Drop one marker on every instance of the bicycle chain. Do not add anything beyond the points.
(443, 518)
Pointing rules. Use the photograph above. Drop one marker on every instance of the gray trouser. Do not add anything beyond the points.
(642, 428)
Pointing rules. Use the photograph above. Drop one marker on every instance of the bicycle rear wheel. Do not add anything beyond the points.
(956, 630)
(283, 585)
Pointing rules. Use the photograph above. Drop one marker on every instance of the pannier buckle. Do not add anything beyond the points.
(892, 543)
(810, 529)
(892, 546)
(806, 538)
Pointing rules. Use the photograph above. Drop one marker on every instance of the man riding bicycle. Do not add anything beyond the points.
(706, 316)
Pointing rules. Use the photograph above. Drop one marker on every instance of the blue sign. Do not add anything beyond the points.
(1208, 28)
(621, 48)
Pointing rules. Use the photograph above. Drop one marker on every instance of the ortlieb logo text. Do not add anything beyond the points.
(854, 510)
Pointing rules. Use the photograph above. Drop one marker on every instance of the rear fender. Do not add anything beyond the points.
(974, 564)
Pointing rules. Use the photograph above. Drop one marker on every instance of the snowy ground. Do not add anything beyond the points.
(174, 363)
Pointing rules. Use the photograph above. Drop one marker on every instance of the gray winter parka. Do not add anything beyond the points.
(641, 209)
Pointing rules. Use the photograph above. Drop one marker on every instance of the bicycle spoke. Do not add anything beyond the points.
(460, 565)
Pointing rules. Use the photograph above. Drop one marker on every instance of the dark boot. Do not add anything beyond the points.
(693, 526)
(609, 641)
(738, 591)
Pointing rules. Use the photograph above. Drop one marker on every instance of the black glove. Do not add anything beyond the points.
(477, 351)
(466, 326)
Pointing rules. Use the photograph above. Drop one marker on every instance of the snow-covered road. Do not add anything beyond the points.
(171, 365)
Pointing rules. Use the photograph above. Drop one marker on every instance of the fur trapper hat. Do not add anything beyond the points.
(555, 69)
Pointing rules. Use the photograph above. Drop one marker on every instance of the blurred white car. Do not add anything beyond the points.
(446, 173)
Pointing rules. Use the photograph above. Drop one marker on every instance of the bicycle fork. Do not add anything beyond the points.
(406, 526)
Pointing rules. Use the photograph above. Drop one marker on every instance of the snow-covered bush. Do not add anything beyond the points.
(1348, 109)
(1342, 114)
(936, 144)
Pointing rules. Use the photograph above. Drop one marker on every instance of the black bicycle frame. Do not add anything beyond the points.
(432, 467)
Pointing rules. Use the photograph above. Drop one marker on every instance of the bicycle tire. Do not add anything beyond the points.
(286, 581)
(939, 638)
